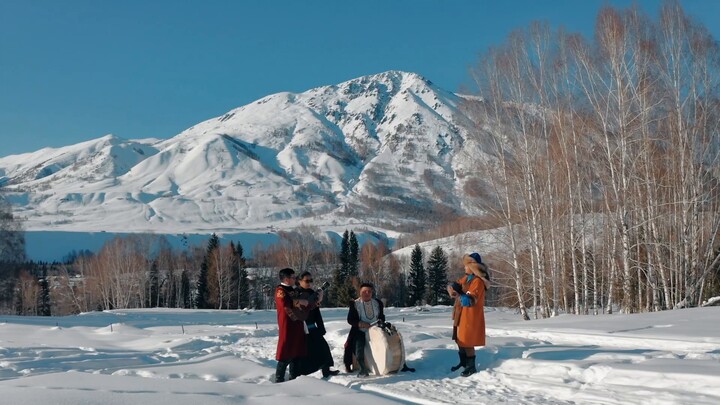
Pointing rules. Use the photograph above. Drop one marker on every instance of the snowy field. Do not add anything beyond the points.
(179, 357)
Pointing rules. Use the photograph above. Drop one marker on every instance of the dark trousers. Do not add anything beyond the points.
(360, 350)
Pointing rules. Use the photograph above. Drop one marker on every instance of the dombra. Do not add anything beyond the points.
(302, 312)
(384, 350)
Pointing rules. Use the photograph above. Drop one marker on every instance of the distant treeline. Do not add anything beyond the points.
(144, 271)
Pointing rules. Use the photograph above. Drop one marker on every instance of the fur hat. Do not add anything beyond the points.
(474, 261)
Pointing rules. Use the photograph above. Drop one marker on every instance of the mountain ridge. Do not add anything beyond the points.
(383, 151)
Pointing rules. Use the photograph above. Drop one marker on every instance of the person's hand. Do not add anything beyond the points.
(363, 325)
(451, 291)
(302, 302)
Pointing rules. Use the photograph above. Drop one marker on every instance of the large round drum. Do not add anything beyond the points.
(384, 350)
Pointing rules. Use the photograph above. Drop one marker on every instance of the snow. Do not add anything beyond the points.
(177, 357)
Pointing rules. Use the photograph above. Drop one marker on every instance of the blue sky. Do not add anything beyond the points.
(75, 70)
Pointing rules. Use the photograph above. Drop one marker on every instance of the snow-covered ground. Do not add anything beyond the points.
(179, 357)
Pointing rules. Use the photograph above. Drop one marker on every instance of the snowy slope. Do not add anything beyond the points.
(380, 150)
(178, 357)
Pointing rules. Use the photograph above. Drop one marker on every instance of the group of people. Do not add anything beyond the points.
(301, 343)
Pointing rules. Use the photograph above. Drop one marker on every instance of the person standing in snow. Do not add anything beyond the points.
(318, 351)
(469, 311)
(291, 314)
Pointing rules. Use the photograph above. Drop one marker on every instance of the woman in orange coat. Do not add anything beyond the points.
(469, 311)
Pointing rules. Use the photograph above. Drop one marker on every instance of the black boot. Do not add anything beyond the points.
(463, 360)
(280, 371)
(469, 367)
(326, 372)
(294, 369)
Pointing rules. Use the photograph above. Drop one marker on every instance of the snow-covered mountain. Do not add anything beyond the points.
(379, 151)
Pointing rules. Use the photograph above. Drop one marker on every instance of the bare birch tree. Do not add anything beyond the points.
(603, 161)
(223, 267)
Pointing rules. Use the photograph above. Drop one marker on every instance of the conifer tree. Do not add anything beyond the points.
(18, 304)
(343, 290)
(437, 278)
(185, 297)
(234, 292)
(44, 299)
(339, 274)
(201, 296)
(353, 258)
(203, 289)
(416, 279)
(153, 297)
(243, 284)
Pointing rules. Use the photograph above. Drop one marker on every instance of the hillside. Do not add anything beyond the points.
(388, 151)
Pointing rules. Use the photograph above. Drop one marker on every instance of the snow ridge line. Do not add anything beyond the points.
(581, 337)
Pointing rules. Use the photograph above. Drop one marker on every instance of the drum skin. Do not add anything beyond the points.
(384, 350)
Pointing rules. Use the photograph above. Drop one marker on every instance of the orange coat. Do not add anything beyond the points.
(469, 322)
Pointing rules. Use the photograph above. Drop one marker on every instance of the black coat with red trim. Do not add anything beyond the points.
(353, 319)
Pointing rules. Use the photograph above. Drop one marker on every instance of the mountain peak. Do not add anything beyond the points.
(382, 150)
